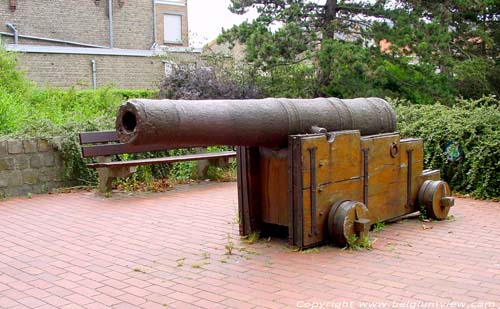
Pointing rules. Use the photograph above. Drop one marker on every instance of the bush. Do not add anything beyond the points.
(471, 128)
(49, 112)
(188, 83)
(11, 80)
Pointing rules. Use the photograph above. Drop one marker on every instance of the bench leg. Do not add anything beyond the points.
(201, 169)
(203, 165)
(106, 176)
(105, 180)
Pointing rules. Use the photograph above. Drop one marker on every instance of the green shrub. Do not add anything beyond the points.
(48, 112)
(11, 80)
(473, 126)
(63, 113)
(291, 81)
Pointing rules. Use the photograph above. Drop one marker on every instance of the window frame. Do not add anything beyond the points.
(181, 39)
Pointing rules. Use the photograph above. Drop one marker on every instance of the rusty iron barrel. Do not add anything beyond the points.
(263, 122)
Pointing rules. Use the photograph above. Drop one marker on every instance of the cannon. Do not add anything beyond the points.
(320, 170)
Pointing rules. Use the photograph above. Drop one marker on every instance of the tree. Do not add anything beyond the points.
(425, 36)
(300, 27)
(456, 36)
(191, 83)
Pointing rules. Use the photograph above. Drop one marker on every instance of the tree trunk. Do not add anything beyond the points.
(330, 16)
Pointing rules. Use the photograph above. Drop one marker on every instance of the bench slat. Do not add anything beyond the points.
(112, 149)
(173, 159)
(98, 137)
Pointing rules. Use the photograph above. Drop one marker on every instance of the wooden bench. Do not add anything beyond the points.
(104, 144)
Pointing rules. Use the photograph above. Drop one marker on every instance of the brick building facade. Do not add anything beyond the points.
(86, 43)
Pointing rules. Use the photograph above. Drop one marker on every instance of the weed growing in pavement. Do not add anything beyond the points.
(378, 226)
(200, 264)
(423, 214)
(229, 245)
(180, 262)
(355, 243)
(251, 238)
(248, 251)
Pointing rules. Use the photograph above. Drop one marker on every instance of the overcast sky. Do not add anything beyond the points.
(208, 17)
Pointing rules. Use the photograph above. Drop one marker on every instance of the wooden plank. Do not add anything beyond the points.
(337, 160)
(249, 190)
(326, 197)
(387, 178)
(416, 147)
(98, 137)
(297, 198)
(254, 190)
(292, 236)
(173, 159)
(112, 149)
(274, 186)
(243, 201)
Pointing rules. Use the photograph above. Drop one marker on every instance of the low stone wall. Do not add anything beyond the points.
(29, 166)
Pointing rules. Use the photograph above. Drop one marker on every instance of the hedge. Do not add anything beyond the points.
(463, 141)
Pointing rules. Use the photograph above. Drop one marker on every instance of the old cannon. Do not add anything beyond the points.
(319, 169)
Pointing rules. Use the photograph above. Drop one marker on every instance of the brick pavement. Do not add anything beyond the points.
(168, 250)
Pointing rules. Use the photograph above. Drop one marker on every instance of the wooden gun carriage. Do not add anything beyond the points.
(322, 169)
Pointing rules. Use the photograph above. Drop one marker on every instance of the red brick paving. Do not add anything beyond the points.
(81, 251)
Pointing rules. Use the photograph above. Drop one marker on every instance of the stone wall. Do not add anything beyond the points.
(29, 166)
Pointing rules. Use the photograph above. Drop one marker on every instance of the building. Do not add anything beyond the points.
(94, 43)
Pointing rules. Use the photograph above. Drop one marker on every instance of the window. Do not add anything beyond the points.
(169, 67)
(172, 28)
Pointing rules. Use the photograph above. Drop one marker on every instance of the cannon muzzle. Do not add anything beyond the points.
(264, 122)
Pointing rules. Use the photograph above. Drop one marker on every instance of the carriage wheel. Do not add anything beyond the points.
(345, 219)
(435, 196)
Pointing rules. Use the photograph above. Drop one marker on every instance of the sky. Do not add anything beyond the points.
(208, 17)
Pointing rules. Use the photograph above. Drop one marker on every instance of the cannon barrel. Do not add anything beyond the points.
(262, 122)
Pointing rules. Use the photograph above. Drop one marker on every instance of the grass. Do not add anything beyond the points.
(229, 245)
(251, 238)
(423, 214)
(355, 243)
(200, 264)
(248, 251)
(378, 226)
